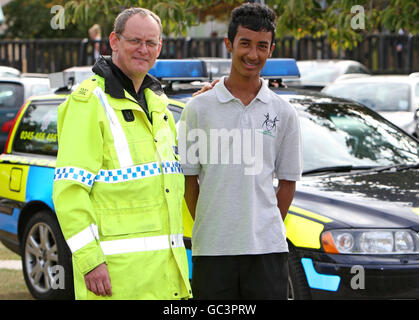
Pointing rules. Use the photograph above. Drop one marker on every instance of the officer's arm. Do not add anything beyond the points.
(284, 196)
(191, 193)
(78, 162)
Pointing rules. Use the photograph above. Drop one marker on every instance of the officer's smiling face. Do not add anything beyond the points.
(135, 59)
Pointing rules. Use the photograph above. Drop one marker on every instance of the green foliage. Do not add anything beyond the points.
(300, 18)
(29, 19)
(332, 18)
(176, 15)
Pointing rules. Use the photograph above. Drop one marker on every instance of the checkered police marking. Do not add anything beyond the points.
(76, 174)
(130, 173)
(171, 167)
(117, 175)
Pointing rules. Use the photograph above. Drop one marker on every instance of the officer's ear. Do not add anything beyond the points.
(113, 41)
(160, 47)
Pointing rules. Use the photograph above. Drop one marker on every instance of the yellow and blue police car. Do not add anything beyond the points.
(353, 227)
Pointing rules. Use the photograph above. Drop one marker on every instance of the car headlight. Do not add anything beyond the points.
(358, 241)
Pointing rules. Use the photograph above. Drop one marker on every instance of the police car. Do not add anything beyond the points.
(353, 227)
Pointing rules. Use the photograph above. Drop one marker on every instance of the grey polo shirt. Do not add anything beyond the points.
(237, 150)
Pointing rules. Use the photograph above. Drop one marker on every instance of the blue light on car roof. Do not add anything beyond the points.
(203, 69)
(178, 69)
(283, 68)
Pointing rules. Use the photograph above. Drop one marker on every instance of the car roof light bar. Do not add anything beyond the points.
(280, 68)
(273, 69)
(183, 69)
(216, 68)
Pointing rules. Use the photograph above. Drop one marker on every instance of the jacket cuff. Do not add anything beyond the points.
(88, 258)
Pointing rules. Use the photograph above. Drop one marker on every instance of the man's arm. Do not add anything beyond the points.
(284, 196)
(81, 149)
(191, 193)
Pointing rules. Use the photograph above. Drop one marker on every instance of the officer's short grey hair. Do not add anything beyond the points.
(121, 19)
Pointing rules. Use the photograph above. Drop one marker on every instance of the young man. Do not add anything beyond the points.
(239, 245)
(118, 203)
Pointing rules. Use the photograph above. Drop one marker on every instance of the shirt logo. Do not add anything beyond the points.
(269, 125)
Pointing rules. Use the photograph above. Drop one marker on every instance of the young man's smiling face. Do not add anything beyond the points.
(249, 51)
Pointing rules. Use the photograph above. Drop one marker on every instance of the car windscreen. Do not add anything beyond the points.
(379, 96)
(11, 95)
(318, 72)
(37, 131)
(350, 135)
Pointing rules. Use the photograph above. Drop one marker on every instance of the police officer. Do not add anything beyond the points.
(118, 185)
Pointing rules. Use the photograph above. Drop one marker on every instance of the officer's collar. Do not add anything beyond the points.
(116, 81)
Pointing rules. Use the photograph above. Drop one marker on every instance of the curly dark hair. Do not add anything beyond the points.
(253, 16)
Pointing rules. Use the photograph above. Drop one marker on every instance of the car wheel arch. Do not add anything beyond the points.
(27, 211)
(298, 286)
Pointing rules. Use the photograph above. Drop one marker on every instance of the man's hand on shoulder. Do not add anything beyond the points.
(206, 87)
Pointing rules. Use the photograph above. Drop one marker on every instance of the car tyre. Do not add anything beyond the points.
(46, 258)
(298, 288)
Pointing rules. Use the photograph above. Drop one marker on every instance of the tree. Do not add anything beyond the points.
(28, 19)
(343, 22)
(176, 15)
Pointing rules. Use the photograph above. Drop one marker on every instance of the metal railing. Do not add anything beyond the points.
(381, 53)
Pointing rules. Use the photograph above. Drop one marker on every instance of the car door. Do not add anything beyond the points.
(11, 99)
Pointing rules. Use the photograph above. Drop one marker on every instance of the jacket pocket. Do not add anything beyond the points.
(117, 222)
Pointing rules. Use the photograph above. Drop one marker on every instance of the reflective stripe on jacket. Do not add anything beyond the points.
(118, 193)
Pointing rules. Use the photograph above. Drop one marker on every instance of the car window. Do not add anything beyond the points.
(37, 131)
(379, 96)
(11, 95)
(40, 89)
(357, 69)
(336, 135)
(318, 72)
(417, 90)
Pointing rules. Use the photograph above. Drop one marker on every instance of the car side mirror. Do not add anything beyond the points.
(416, 116)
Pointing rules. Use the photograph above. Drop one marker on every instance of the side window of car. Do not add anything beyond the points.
(357, 69)
(39, 89)
(37, 131)
(11, 95)
(417, 90)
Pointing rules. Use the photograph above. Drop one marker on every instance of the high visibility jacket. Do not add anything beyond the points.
(118, 192)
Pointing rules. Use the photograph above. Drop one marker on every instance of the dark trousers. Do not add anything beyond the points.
(250, 277)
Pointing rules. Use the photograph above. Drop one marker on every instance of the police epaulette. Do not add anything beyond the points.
(84, 91)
